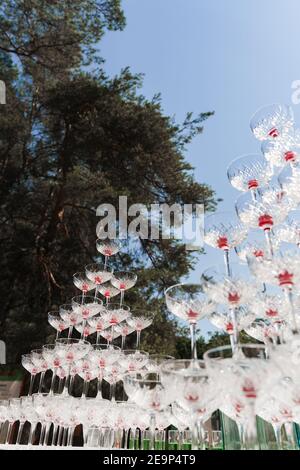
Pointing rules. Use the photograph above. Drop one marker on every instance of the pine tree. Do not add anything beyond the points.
(69, 141)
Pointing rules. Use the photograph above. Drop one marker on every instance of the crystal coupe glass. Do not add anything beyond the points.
(189, 302)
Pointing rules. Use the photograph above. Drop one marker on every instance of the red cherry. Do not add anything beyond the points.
(285, 278)
(252, 184)
(273, 133)
(265, 221)
(233, 297)
(222, 243)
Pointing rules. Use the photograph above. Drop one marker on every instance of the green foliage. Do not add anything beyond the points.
(70, 140)
(53, 36)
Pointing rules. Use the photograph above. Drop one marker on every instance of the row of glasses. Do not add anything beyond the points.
(237, 383)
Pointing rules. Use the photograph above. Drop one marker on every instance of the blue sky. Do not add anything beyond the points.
(230, 56)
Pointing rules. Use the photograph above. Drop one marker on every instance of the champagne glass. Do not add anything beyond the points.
(56, 321)
(68, 315)
(224, 231)
(54, 361)
(86, 307)
(244, 374)
(147, 392)
(271, 122)
(232, 291)
(264, 214)
(108, 291)
(102, 356)
(113, 314)
(139, 320)
(71, 350)
(282, 152)
(107, 248)
(123, 280)
(98, 274)
(27, 363)
(250, 173)
(83, 283)
(98, 323)
(40, 362)
(124, 329)
(187, 382)
(189, 302)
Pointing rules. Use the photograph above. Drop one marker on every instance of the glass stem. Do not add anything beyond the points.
(126, 435)
(152, 431)
(32, 377)
(20, 432)
(180, 440)
(277, 432)
(65, 437)
(123, 342)
(48, 428)
(113, 391)
(269, 242)
(96, 292)
(290, 434)
(70, 331)
(289, 298)
(201, 439)
(249, 441)
(240, 431)
(41, 382)
(31, 434)
(42, 435)
(9, 433)
(138, 339)
(71, 385)
(235, 335)
(142, 439)
(85, 437)
(253, 194)
(70, 437)
(85, 388)
(232, 342)
(55, 434)
(98, 337)
(195, 437)
(122, 298)
(227, 262)
(112, 334)
(60, 435)
(83, 329)
(53, 382)
(99, 391)
(193, 341)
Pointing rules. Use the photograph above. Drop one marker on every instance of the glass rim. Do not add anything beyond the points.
(96, 300)
(108, 268)
(71, 341)
(108, 239)
(105, 346)
(134, 351)
(138, 313)
(125, 271)
(181, 284)
(142, 380)
(243, 156)
(164, 366)
(287, 107)
(117, 304)
(229, 348)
